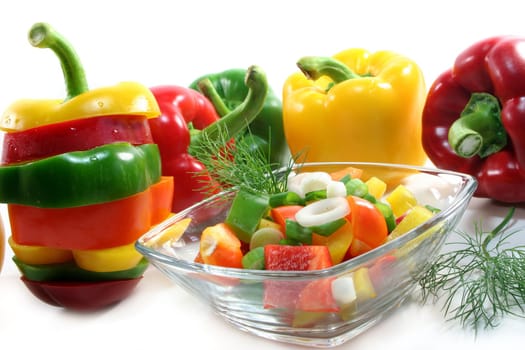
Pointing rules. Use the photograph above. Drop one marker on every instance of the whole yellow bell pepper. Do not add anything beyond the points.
(355, 106)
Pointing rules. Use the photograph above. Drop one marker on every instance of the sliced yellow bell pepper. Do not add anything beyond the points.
(39, 255)
(355, 106)
(107, 260)
(126, 98)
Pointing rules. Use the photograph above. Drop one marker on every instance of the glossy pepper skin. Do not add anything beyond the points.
(355, 106)
(474, 117)
(82, 180)
(187, 117)
(266, 131)
(73, 135)
(180, 106)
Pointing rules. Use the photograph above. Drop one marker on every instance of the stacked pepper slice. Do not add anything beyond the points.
(81, 177)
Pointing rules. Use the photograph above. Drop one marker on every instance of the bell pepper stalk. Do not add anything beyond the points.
(128, 98)
(355, 106)
(226, 90)
(472, 119)
(76, 178)
(182, 108)
(73, 135)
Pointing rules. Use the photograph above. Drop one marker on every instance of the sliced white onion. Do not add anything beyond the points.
(307, 182)
(343, 290)
(323, 211)
(335, 189)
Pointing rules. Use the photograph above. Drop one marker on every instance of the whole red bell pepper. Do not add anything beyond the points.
(474, 118)
(186, 116)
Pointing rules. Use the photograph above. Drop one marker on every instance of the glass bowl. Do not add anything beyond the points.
(382, 278)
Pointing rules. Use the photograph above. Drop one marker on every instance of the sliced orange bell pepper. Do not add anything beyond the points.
(368, 226)
(220, 246)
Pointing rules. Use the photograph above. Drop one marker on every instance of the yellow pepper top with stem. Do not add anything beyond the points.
(355, 106)
(125, 98)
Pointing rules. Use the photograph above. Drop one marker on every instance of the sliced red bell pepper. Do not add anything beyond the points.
(474, 117)
(73, 135)
(97, 226)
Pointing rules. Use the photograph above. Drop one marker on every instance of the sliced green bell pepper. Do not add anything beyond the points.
(69, 271)
(101, 174)
(266, 131)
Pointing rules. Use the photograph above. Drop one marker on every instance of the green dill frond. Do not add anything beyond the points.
(481, 281)
(240, 164)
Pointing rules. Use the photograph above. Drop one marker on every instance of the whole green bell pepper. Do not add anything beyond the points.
(266, 131)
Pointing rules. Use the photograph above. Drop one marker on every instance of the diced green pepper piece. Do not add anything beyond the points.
(356, 187)
(388, 214)
(254, 259)
(328, 228)
(246, 212)
(285, 198)
(296, 232)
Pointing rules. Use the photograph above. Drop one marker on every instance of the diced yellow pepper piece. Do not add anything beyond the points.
(376, 187)
(269, 223)
(171, 233)
(364, 289)
(401, 200)
(415, 217)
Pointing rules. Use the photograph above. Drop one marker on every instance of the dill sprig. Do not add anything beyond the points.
(240, 164)
(481, 281)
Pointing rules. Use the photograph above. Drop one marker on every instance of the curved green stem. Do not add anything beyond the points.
(206, 88)
(496, 231)
(479, 129)
(42, 35)
(238, 119)
(315, 67)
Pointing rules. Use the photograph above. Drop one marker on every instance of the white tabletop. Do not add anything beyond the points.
(162, 42)
(161, 314)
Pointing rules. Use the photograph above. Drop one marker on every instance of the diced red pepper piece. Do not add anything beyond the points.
(279, 294)
(280, 214)
(317, 296)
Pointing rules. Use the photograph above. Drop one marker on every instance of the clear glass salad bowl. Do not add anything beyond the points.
(381, 278)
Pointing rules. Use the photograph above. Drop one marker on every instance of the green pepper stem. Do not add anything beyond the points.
(479, 129)
(205, 87)
(315, 67)
(42, 35)
(238, 119)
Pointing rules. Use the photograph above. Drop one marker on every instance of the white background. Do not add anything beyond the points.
(173, 42)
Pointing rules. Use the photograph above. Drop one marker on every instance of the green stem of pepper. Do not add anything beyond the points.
(478, 130)
(206, 88)
(315, 67)
(240, 118)
(42, 35)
